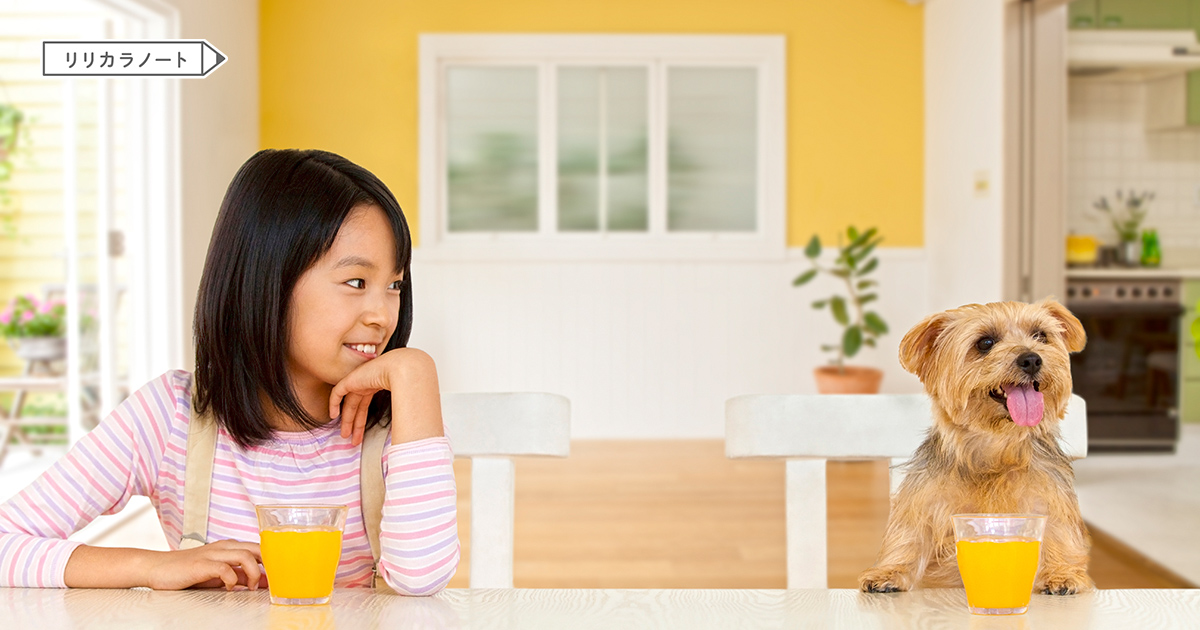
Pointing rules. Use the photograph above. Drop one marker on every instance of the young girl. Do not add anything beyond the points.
(302, 319)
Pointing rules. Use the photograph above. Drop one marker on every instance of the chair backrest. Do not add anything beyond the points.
(808, 430)
(490, 429)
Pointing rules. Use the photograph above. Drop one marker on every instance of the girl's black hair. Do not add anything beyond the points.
(279, 216)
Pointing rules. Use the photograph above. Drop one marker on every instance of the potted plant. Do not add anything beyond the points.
(10, 128)
(35, 329)
(859, 326)
(1126, 216)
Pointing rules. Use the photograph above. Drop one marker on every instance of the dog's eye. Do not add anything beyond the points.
(985, 344)
(1040, 336)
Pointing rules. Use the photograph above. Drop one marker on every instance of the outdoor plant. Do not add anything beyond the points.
(1127, 213)
(25, 316)
(10, 130)
(854, 263)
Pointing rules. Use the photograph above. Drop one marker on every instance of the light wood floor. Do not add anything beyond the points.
(678, 514)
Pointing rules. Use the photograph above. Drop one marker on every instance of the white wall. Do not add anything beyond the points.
(964, 96)
(1110, 149)
(219, 121)
(646, 349)
(642, 349)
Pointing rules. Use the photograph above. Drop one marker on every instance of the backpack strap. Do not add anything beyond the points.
(371, 490)
(197, 484)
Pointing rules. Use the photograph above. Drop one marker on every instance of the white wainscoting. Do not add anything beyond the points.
(647, 349)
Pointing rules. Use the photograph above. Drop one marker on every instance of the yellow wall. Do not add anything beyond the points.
(343, 77)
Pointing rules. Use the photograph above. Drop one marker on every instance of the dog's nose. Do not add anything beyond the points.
(1030, 363)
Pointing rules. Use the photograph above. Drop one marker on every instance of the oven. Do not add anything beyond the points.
(1129, 371)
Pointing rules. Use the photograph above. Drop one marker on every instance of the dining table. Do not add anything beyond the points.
(354, 609)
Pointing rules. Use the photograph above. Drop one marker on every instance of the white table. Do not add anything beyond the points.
(354, 609)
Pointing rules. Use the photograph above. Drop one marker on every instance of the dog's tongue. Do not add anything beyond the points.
(1024, 404)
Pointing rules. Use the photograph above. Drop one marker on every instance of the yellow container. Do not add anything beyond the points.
(1082, 249)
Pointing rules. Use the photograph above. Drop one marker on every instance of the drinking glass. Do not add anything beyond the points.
(998, 556)
(301, 546)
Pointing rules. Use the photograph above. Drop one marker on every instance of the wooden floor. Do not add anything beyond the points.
(678, 514)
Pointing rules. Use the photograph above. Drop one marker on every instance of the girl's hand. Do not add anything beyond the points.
(227, 563)
(411, 376)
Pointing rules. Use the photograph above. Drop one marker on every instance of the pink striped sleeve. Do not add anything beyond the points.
(97, 476)
(419, 535)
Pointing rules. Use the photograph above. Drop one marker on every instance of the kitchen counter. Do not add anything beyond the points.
(1132, 273)
(1182, 263)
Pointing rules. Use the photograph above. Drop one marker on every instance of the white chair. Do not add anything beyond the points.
(490, 429)
(808, 430)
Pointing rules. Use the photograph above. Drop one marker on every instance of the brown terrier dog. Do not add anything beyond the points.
(999, 376)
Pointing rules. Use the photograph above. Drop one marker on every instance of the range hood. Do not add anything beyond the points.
(1131, 55)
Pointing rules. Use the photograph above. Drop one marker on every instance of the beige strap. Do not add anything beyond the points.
(197, 484)
(371, 490)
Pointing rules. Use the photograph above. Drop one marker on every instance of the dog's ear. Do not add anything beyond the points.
(916, 349)
(1072, 330)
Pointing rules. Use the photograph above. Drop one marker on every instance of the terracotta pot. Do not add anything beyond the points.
(853, 380)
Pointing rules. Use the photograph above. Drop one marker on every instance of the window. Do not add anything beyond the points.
(609, 146)
(93, 208)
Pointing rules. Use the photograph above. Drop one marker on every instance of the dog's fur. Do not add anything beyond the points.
(976, 458)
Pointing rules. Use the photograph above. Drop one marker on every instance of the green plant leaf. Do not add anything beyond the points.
(869, 267)
(1196, 332)
(841, 273)
(804, 277)
(867, 249)
(813, 249)
(838, 305)
(820, 304)
(860, 239)
(875, 323)
(852, 340)
(828, 348)
(852, 232)
(870, 341)
(866, 298)
(865, 284)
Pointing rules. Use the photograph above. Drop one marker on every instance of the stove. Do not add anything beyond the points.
(1129, 371)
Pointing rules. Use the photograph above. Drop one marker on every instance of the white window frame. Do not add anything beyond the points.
(765, 53)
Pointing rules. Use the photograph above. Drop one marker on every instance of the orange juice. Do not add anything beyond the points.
(301, 564)
(998, 572)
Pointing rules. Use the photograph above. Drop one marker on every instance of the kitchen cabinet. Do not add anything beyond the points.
(1189, 363)
(1168, 92)
(1131, 14)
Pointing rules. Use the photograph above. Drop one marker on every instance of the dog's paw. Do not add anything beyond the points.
(885, 579)
(1066, 582)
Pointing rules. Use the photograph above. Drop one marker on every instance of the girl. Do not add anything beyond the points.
(302, 319)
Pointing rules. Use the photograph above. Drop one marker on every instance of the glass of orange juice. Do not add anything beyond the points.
(301, 546)
(998, 558)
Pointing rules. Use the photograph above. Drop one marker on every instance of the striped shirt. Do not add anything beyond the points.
(140, 449)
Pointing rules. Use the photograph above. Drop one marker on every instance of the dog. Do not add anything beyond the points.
(999, 376)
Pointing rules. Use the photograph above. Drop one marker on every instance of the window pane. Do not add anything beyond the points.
(579, 149)
(491, 149)
(628, 150)
(712, 149)
(602, 149)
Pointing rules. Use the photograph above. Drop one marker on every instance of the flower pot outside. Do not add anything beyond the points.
(852, 380)
(40, 348)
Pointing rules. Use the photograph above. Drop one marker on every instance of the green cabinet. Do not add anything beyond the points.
(1189, 363)
(1131, 14)
(1193, 100)
(1082, 13)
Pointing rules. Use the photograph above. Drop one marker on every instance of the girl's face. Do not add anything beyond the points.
(346, 306)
